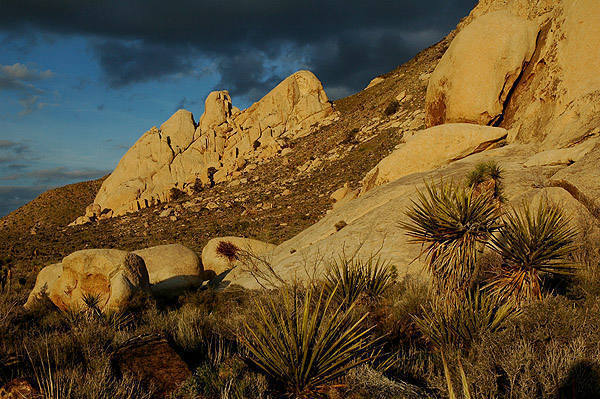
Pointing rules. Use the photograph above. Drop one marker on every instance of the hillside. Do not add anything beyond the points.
(435, 233)
(239, 212)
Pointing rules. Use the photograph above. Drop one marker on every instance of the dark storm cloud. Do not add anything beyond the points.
(345, 42)
(124, 63)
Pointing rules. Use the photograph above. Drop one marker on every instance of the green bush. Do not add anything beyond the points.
(487, 176)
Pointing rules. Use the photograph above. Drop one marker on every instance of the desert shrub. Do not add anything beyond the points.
(303, 342)
(391, 108)
(531, 242)
(176, 194)
(365, 382)
(452, 224)
(393, 315)
(350, 136)
(230, 378)
(352, 277)
(586, 281)
(457, 323)
(548, 351)
(228, 250)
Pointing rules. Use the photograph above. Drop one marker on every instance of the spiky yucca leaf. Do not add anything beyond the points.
(531, 242)
(456, 323)
(451, 224)
(303, 342)
(353, 277)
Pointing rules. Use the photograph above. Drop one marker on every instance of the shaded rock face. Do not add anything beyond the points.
(182, 152)
(110, 275)
(172, 269)
(478, 71)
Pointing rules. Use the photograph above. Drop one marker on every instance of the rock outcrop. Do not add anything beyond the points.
(478, 71)
(432, 148)
(545, 91)
(110, 275)
(182, 153)
(582, 180)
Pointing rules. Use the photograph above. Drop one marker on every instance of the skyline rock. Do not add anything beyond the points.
(181, 152)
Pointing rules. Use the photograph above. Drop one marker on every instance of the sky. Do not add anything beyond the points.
(82, 80)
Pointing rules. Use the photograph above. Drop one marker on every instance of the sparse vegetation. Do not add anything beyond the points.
(350, 278)
(228, 249)
(456, 324)
(487, 177)
(392, 108)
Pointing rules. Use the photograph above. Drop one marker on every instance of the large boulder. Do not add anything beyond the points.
(180, 154)
(432, 148)
(478, 71)
(172, 268)
(111, 275)
(224, 253)
(556, 101)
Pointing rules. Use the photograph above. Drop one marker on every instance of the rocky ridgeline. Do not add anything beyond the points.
(183, 153)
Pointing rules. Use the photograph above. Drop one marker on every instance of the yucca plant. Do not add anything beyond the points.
(351, 278)
(51, 383)
(452, 224)
(531, 242)
(303, 342)
(463, 379)
(487, 177)
(455, 324)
